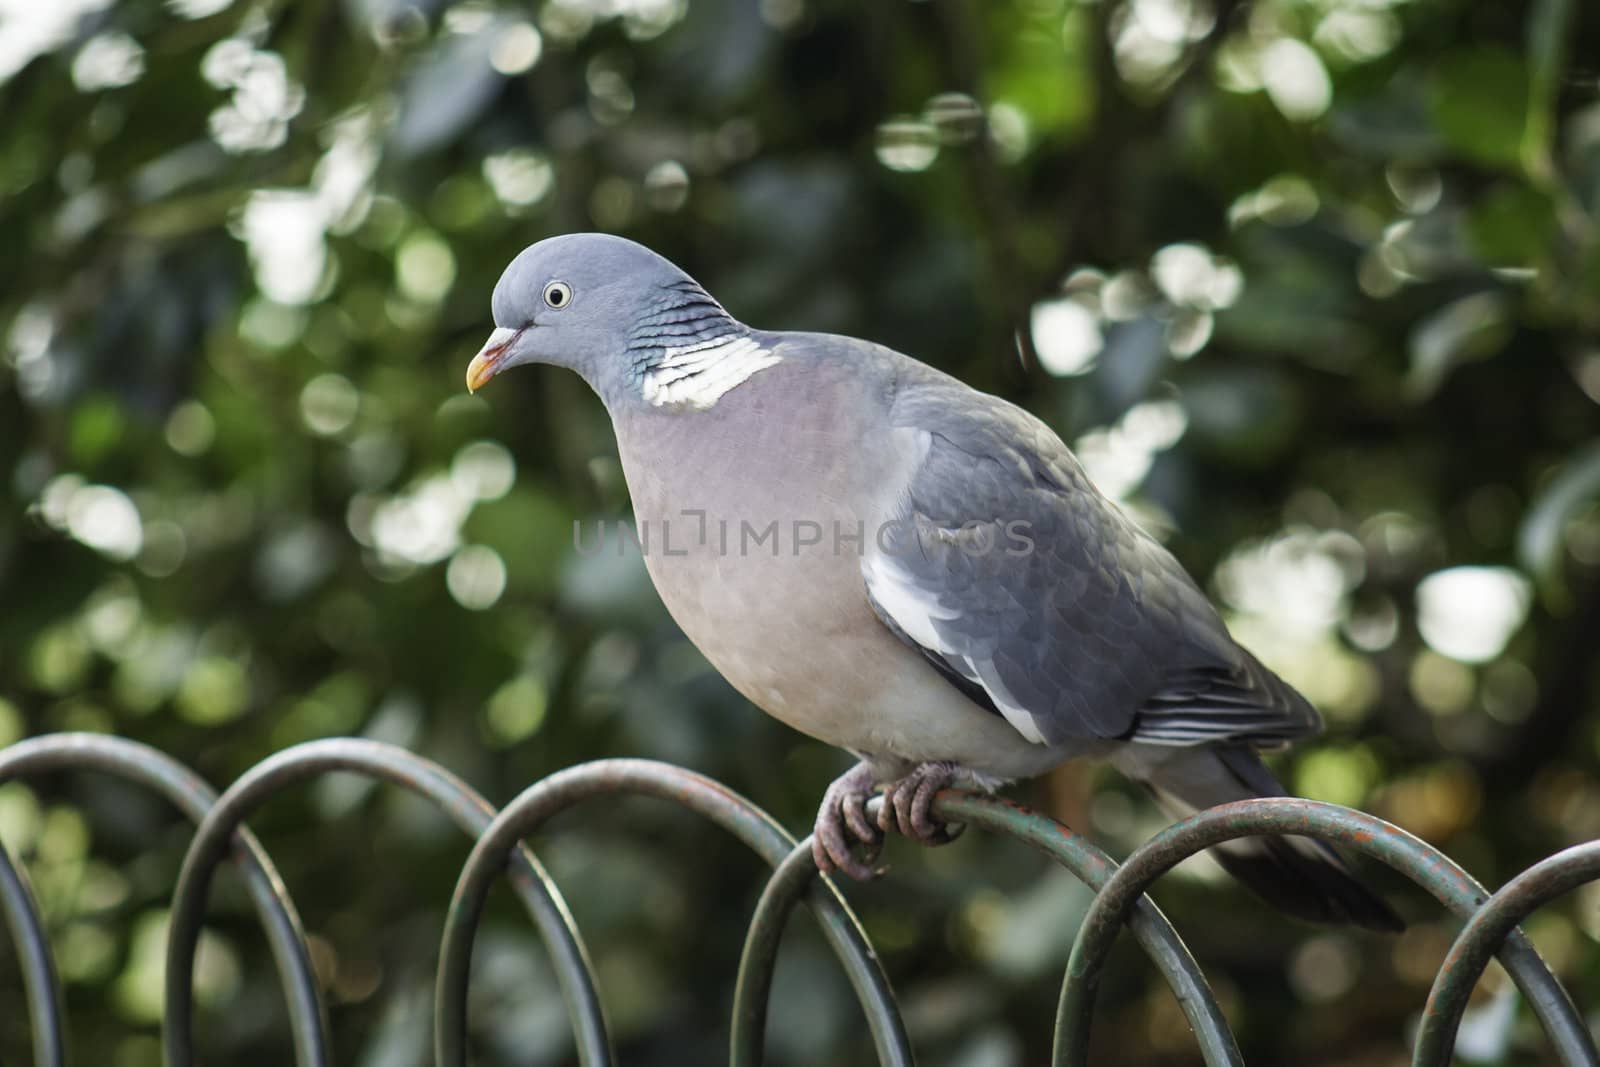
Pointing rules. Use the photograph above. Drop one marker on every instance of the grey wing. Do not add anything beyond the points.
(1017, 578)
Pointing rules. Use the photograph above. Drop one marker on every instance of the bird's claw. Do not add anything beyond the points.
(907, 805)
(854, 807)
(842, 823)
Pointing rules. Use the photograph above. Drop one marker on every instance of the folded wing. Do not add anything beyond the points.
(1041, 599)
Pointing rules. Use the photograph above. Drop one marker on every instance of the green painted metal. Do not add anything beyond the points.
(752, 990)
(1416, 859)
(702, 795)
(1490, 930)
(40, 984)
(159, 773)
(1154, 933)
(395, 765)
(1486, 934)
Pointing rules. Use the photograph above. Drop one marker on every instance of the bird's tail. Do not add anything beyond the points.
(1299, 876)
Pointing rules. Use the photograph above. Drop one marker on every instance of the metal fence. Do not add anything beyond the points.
(1490, 930)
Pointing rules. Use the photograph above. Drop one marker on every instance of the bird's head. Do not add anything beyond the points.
(587, 301)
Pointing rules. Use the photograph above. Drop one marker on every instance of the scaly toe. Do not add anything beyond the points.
(854, 808)
(832, 846)
(886, 811)
(904, 797)
(925, 829)
(820, 856)
(832, 852)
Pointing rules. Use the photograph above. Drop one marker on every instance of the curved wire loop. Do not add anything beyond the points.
(701, 795)
(1150, 927)
(1490, 931)
(424, 778)
(791, 881)
(159, 773)
(1056, 840)
(41, 986)
(1416, 859)
(1485, 932)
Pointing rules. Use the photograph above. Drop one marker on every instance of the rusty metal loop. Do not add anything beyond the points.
(752, 989)
(1484, 933)
(1490, 930)
(424, 778)
(41, 986)
(1150, 927)
(1057, 841)
(701, 795)
(1414, 858)
(161, 774)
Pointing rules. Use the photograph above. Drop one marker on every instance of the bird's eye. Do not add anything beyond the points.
(558, 294)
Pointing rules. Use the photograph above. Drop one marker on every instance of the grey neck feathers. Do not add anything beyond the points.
(684, 314)
(686, 351)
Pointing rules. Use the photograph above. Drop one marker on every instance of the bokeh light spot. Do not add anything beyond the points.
(1296, 81)
(666, 186)
(425, 268)
(215, 690)
(329, 404)
(1066, 335)
(907, 144)
(107, 61)
(520, 178)
(483, 470)
(106, 520)
(1324, 968)
(1469, 613)
(190, 428)
(516, 49)
(517, 710)
(476, 577)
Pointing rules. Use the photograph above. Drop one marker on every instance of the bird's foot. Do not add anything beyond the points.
(843, 816)
(906, 803)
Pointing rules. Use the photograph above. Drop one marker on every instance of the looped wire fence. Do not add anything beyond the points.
(1490, 931)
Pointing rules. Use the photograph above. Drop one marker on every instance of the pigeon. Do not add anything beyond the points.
(907, 568)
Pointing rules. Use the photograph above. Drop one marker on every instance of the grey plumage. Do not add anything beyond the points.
(995, 616)
(1096, 632)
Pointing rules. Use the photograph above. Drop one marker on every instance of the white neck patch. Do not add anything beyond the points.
(697, 375)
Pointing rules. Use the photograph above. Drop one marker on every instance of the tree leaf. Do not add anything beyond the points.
(1479, 101)
(1540, 538)
(1548, 31)
(1474, 327)
(1512, 226)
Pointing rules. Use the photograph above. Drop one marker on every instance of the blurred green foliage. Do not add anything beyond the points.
(1312, 285)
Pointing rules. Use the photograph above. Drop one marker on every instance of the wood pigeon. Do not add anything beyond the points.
(904, 567)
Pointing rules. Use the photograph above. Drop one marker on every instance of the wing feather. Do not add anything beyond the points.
(1017, 577)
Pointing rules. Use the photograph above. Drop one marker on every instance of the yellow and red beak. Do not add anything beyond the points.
(491, 358)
